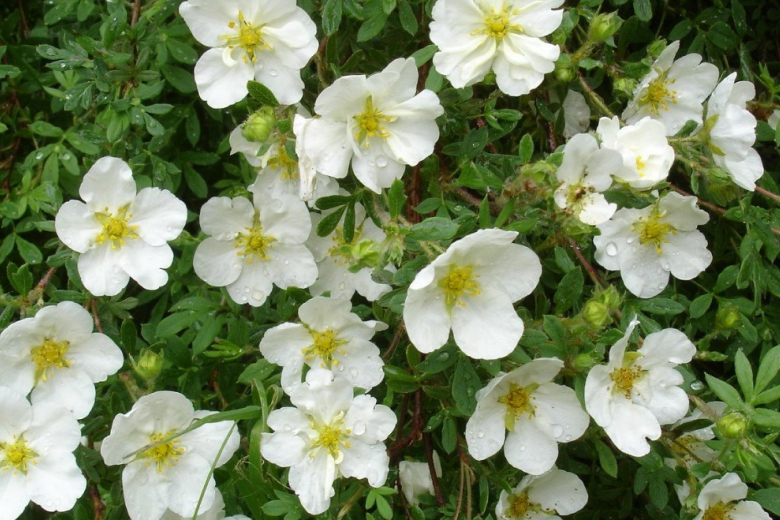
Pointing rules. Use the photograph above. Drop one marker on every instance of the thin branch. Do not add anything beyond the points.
(46, 278)
(768, 194)
(399, 332)
(594, 97)
(432, 469)
(594, 275)
(136, 12)
(93, 305)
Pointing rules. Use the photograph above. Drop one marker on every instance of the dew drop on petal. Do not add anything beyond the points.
(480, 434)
(567, 438)
(666, 266)
(557, 430)
(630, 240)
(359, 428)
(258, 295)
(273, 72)
(612, 249)
(522, 447)
(381, 161)
(342, 286)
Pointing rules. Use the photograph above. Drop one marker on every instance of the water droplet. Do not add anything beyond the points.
(258, 295)
(244, 299)
(342, 286)
(557, 430)
(381, 161)
(630, 240)
(612, 249)
(38, 156)
(666, 266)
(567, 438)
(341, 368)
(287, 427)
(444, 356)
(286, 262)
(273, 72)
(480, 434)
(522, 447)
(697, 386)
(66, 157)
(359, 428)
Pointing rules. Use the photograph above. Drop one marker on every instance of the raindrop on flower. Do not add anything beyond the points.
(381, 161)
(480, 434)
(612, 249)
(359, 428)
(557, 430)
(258, 295)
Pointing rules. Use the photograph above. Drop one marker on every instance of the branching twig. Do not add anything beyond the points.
(432, 469)
(46, 278)
(594, 97)
(768, 194)
(594, 275)
(93, 305)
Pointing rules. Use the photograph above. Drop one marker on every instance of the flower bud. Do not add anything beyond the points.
(392, 248)
(656, 48)
(732, 425)
(625, 86)
(149, 365)
(728, 317)
(584, 362)
(259, 125)
(596, 314)
(564, 72)
(603, 26)
(363, 254)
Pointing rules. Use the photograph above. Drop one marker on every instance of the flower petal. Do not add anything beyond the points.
(76, 226)
(146, 264)
(108, 185)
(530, 449)
(486, 430)
(221, 85)
(217, 263)
(100, 271)
(487, 327)
(55, 482)
(159, 215)
(368, 461)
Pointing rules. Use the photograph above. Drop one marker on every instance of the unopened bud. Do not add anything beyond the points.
(625, 86)
(392, 248)
(584, 362)
(656, 48)
(363, 254)
(728, 317)
(149, 365)
(564, 71)
(732, 425)
(596, 314)
(259, 125)
(603, 26)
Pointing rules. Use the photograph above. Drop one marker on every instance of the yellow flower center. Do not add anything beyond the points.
(16, 456)
(640, 166)
(497, 24)
(324, 346)
(653, 230)
(249, 38)
(331, 437)
(254, 244)
(719, 511)
(658, 96)
(518, 505)
(369, 123)
(285, 163)
(49, 355)
(164, 454)
(457, 282)
(116, 229)
(625, 377)
(517, 402)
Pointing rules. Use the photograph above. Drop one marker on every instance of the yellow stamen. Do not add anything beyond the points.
(719, 511)
(116, 229)
(498, 25)
(625, 377)
(16, 456)
(457, 282)
(517, 402)
(658, 95)
(165, 454)
(370, 123)
(653, 230)
(640, 166)
(249, 38)
(518, 505)
(284, 162)
(254, 244)
(324, 345)
(49, 355)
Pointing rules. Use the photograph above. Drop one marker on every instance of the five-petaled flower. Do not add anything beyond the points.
(120, 234)
(543, 497)
(717, 497)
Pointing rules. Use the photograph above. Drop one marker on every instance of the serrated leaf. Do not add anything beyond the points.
(768, 368)
(396, 198)
(331, 16)
(330, 222)
(744, 374)
(727, 393)
(261, 94)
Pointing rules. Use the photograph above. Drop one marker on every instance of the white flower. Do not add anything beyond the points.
(585, 172)
(120, 234)
(414, 478)
(217, 512)
(329, 434)
(732, 131)
(36, 456)
(537, 412)
(254, 246)
(576, 114)
(335, 258)
(56, 355)
(647, 155)
(636, 392)
(471, 289)
(476, 36)
(378, 123)
(715, 501)
(646, 245)
(329, 336)
(167, 475)
(543, 497)
(674, 91)
(269, 41)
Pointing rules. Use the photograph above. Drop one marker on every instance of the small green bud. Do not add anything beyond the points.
(564, 71)
(728, 317)
(625, 86)
(656, 48)
(149, 365)
(603, 26)
(392, 248)
(596, 314)
(259, 125)
(732, 425)
(584, 362)
(363, 254)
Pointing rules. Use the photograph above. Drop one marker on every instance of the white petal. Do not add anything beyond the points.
(108, 185)
(217, 262)
(283, 448)
(283, 81)
(558, 407)
(66, 321)
(530, 449)
(659, 392)
(368, 461)
(224, 218)
(76, 226)
(485, 429)
(291, 266)
(487, 327)
(13, 495)
(559, 490)
(146, 264)
(726, 489)
(100, 271)
(208, 439)
(749, 510)
(630, 425)
(219, 84)
(208, 21)
(284, 217)
(312, 479)
(145, 491)
(369, 422)
(426, 317)
(69, 387)
(55, 483)
(98, 357)
(375, 169)
(252, 286)
(325, 143)
(665, 347)
(361, 364)
(159, 215)
(686, 254)
(187, 477)
(51, 421)
(17, 414)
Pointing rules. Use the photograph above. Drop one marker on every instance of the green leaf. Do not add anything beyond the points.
(182, 52)
(449, 435)
(643, 10)
(348, 227)
(276, 508)
(722, 36)
(526, 150)
(258, 371)
(607, 459)
(407, 17)
(242, 414)
(179, 78)
(766, 418)
(465, 385)
(555, 330)
(372, 27)
(45, 129)
(396, 198)
(261, 94)
(330, 222)
(661, 306)
(434, 229)
(60, 10)
(176, 323)
(438, 360)
(659, 493)
(485, 221)
(768, 368)
(129, 335)
(384, 507)
(30, 253)
(700, 305)
(727, 393)
(331, 16)
(569, 290)
(424, 55)
(767, 396)
(744, 374)
(769, 499)
(333, 201)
